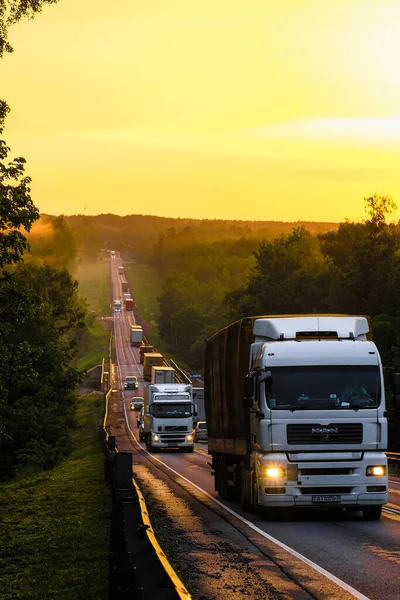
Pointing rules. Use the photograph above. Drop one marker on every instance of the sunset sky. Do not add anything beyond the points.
(235, 109)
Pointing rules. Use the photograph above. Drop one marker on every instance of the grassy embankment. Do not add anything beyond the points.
(94, 285)
(145, 285)
(54, 534)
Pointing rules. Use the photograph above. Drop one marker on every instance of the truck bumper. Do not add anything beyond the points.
(175, 441)
(322, 483)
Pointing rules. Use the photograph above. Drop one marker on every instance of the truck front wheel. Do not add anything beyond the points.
(244, 502)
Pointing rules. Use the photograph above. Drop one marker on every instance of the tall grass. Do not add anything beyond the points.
(54, 538)
(94, 285)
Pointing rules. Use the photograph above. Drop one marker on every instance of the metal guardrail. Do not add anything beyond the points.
(184, 376)
(130, 574)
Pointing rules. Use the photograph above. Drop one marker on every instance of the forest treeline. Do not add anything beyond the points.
(214, 272)
(135, 236)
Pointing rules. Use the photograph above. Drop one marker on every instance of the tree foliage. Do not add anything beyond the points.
(12, 11)
(41, 320)
(17, 208)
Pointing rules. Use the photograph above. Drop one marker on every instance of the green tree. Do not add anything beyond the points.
(42, 317)
(52, 242)
(17, 208)
(290, 276)
(366, 261)
(12, 11)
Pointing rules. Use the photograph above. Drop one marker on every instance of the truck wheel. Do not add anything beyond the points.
(245, 504)
(226, 491)
(220, 480)
(372, 513)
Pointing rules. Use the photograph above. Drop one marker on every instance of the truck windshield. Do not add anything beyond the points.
(322, 388)
(171, 411)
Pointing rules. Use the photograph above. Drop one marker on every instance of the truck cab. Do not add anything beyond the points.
(168, 417)
(311, 430)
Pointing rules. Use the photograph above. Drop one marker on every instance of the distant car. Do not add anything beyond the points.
(131, 383)
(137, 403)
(200, 432)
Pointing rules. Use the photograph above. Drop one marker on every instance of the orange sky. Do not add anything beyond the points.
(245, 110)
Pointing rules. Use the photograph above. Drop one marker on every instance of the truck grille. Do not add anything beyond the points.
(327, 471)
(179, 438)
(174, 428)
(334, 433)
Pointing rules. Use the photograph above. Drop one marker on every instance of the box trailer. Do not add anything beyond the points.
(162, 375)
(152, 359)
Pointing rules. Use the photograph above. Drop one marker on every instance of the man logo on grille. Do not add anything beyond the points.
(324, 430)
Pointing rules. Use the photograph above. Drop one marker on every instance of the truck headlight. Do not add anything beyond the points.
(377, 470)
(189, 437)
(156, 438)
(275, 472)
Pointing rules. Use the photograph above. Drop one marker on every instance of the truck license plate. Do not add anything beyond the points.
(328, 498)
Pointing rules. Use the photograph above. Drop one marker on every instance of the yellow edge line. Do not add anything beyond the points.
(180, 588)
(106, 413)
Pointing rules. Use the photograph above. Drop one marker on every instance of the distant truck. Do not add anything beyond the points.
(136, 335)
(121, 270)
(296, 415)
(117, 305)
(168, 417)
(151, 359)
(124, 286)
(112, 253)
(129, 304)
(162, 375)
(198, 401)
(143, 350)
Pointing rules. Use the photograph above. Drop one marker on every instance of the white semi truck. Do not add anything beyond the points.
(168, 417)
(296, 415)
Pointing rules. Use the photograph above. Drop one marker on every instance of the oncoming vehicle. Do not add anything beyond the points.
(137, 403)
(200, 432)
(131, 383)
